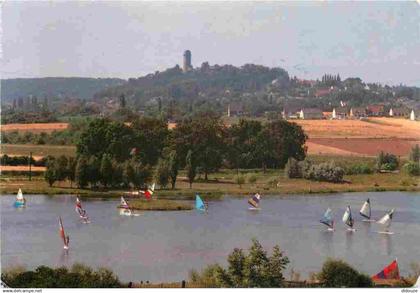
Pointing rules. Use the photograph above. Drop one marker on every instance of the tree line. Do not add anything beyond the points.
(111, 153)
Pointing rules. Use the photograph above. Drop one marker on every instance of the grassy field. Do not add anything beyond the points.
(160, 205)
(222, 183)
(37, 150)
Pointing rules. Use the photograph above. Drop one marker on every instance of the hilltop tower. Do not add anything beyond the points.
(187, 61)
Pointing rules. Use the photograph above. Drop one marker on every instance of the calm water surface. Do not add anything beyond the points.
(165, 246)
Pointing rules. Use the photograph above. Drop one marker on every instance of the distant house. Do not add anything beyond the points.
(311, 113)
(375, 110)
(291, 112)
(399, 112)
(340, 113)
(323, 92)
(235, 109)
(357, 112)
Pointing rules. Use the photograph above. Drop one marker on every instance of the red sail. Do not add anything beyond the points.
(389, 272)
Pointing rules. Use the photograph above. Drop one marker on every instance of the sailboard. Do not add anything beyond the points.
(386, 221)
(82, 212)
(125, 209)
(390, 272)
(254, 202)
(199, 204)
(348, 219)
(66, 238)
(327, 220)
(366, 212)
(20, 200)
(149, 191)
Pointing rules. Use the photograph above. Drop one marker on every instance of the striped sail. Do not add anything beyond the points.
(365, 210)
(19, 196)
(327, 218)
(347, 217)
(254, 201)
(386, 220)
(199, 203)
(63, 233)
(123, 203)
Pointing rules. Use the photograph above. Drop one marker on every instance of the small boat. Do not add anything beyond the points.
(386, 221)
(66, 238)
(327, 220)
(199, 204)
(20, 201)
(254, 202)
(365, 211)
(82, 213)
(348, 219)
(125, 209)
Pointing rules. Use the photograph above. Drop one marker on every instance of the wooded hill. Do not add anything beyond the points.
(78, 87)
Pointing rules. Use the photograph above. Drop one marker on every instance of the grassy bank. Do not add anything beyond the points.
(160, 205)
(38, 150)
(273, 182)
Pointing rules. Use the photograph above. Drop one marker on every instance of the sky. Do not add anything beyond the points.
(377, 41)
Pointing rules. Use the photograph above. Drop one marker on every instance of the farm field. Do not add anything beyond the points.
(38, 151)
(34, 127)
(325, 137)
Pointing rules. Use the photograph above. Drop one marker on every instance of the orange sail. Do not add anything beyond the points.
(63, 234)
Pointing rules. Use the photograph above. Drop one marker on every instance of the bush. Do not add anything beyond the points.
(252, 178)
(293, 169)
(386, 161)
(337, 274)
(328, 172)
(245, 270)
(239, 180)
(79, 276)
(412, 168)
(163, 172)
(362, 168)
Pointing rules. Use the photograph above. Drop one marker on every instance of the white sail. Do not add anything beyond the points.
(123, 203)
(386, 220)
(19, 196)
(153, 187)
(327, 219)
(365, 210)
(347, 217)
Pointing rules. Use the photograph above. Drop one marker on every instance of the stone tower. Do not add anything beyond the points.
(187, 61)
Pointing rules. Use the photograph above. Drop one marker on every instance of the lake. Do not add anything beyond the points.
(165, 246)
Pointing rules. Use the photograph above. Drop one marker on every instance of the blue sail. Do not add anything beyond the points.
(199, 204)
(327, 218)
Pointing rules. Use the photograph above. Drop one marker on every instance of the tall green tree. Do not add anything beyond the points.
(190, 167)
(415, 154)
(205, 137)
(138, 174)
(106, 170)
(50, 174)
(162, 172)
(173, 167)
(82, 172)
(149, 138)
(71, 170)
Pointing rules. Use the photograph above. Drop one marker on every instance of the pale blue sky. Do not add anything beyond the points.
(377, 41)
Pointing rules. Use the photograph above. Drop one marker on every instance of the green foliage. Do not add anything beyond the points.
(240, 180)
(162, 172)
(106, 170)
(293, 169)
(245, 270)
(173, 167)
(252, 178)
(50, 172)
(79, 276)
(82, 172)
(412, 168)
(415, 154)
(386, 161)
(137, 173)
(360, 168)
(190, 167)
(328, 172)
(149, 137)
(337, 274)
(204, 136)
